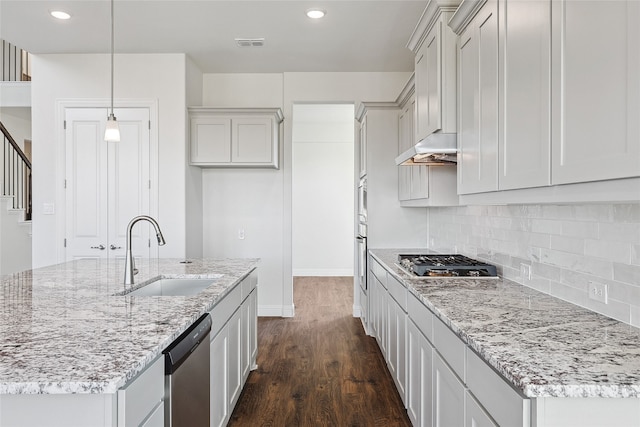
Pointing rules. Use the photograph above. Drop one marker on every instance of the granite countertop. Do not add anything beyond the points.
(544, 346)
(63, 329)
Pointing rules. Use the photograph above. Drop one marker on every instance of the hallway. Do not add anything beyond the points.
(319, 368)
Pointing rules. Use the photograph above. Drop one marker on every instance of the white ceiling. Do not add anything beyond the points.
(360, 35)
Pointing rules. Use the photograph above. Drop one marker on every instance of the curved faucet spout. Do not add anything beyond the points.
(129, 264)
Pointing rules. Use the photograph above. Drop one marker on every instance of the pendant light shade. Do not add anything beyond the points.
(112, 132)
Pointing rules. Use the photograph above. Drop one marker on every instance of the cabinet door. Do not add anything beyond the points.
(363, 147)
(245, 344)
(419, 377)
(448, 395)
(419, 182)
(478, 112)
(525, 54)
(405, 124)
(428, 84)
(396, 351)
(234, 357)
(475, 416)
(219, 382)
(252, 140)
(210, 140)
(596, 90)
(253, 328)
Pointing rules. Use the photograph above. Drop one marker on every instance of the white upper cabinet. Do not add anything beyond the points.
(221, 137)
(596, 90)
(478, 108)
(433, 43)
(525, 86)
(549, 94)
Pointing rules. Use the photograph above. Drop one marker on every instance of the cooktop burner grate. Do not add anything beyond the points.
(438, 265)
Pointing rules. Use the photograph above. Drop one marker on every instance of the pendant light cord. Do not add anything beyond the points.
(112, 57)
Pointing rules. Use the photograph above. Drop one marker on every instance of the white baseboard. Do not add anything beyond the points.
(357, 311)
(323, 272)
(275, 311)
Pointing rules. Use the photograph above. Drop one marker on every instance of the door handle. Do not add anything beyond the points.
(114, 247)
(101, 247)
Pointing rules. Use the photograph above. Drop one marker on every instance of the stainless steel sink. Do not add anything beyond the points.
(174, 287)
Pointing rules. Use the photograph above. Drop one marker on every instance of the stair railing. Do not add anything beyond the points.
(16, 174)
(15, 63)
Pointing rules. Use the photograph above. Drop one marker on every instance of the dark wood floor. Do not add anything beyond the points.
(319, 368)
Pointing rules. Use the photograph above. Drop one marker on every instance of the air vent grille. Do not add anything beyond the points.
(259, 42)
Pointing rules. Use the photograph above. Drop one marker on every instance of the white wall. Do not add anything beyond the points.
(323, 189)
(567, 246)
(193, 190)
(158, 77)
(261, 200)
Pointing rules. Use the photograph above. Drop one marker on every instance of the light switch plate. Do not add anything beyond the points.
(48, 208)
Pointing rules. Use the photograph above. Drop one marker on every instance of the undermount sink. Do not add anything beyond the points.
(174, 287)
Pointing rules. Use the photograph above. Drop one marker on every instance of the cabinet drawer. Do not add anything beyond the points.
(138, 399)
(452, 349)
(224, 309)
(249, 283)
(379, 271)
(502, 402)
(397, 291)
(421, 316)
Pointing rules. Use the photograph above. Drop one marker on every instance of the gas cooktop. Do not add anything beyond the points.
(438, 265)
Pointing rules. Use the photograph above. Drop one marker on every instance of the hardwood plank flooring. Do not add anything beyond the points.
(319, 368)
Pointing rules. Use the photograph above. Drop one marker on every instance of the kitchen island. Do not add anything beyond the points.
(555, 362)
(68, 334)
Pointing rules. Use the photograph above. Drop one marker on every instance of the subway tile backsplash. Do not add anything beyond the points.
(567, 246)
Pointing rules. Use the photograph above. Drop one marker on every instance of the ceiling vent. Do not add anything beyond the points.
(250, 42)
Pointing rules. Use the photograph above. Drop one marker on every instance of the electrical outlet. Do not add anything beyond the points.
(599, 292)
(241, 234)
(525, 272)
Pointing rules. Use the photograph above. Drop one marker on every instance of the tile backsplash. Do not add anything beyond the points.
(566, 247)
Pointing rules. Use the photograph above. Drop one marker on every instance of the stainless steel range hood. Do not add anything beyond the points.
(436, 149)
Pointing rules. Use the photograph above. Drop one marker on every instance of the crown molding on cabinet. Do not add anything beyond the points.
(430, 15)
(465, 13)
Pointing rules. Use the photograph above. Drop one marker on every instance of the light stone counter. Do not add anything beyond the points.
(63, 329)
(544, 346)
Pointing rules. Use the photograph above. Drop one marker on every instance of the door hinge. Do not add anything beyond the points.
(64, 124)
(65, 183)
(149, 184)
(149, 124)
(65, 242)
(149, 242)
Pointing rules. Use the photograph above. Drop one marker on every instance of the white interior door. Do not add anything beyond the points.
(107, 184)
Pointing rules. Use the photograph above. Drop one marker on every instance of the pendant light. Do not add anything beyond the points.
(112, 132)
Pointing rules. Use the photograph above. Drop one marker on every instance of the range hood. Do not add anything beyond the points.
(436, 149)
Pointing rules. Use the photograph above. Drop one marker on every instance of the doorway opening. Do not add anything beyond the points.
(323, 188)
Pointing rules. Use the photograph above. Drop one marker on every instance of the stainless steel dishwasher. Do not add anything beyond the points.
(186, 381)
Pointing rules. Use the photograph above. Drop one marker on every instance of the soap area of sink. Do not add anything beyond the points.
(173, 286)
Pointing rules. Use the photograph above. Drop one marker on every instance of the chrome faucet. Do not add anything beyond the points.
(129, 264)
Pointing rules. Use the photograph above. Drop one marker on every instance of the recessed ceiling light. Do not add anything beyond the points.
(59, 14)
(316, 13)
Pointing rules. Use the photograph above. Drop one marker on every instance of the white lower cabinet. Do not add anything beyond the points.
(396, 358)
(475, 415)
(448, 395)
(441, 381)
(219, 383)
(233, 348)
(419, 377)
